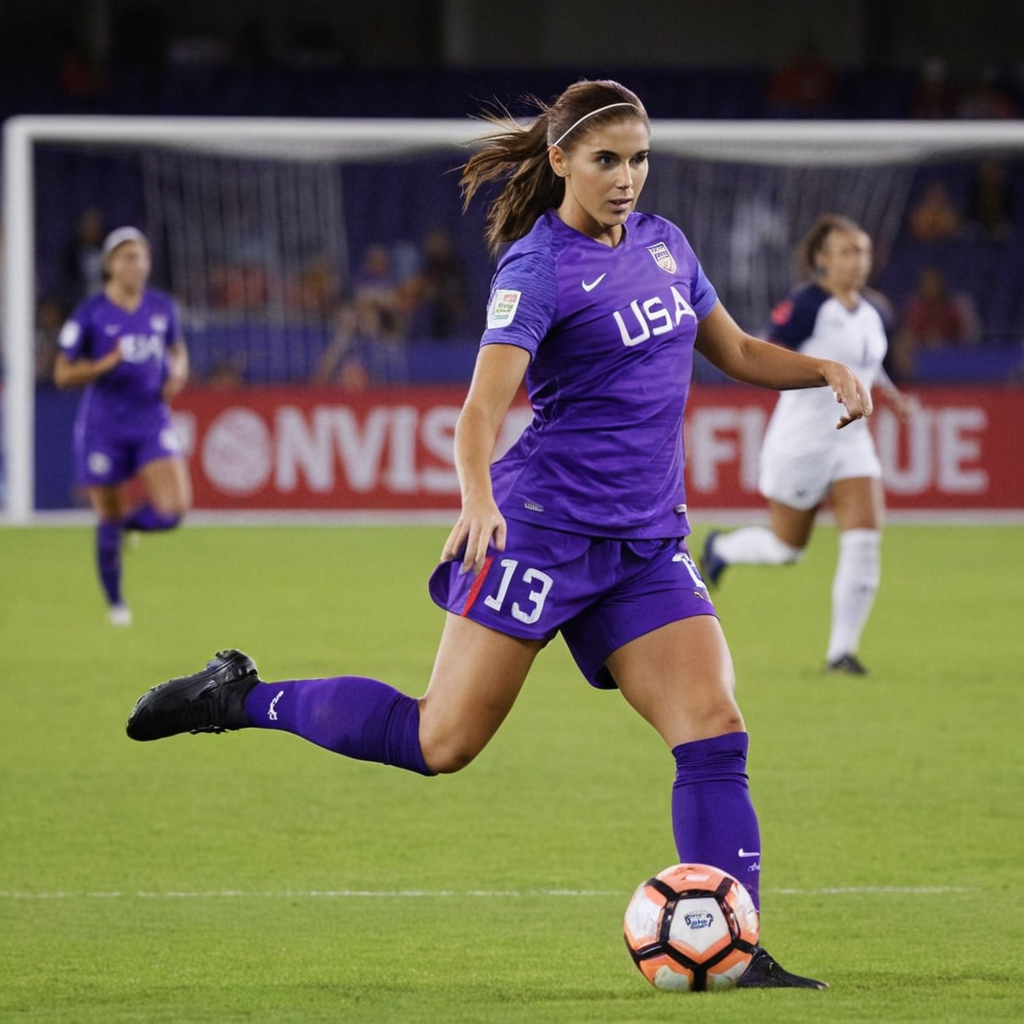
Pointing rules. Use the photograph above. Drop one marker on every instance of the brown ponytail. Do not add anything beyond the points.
(517, 154)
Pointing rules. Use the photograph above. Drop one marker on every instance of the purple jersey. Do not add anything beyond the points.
(610, 333)
(131, 390)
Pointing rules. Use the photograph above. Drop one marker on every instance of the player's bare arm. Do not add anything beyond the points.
(177, 369)
(68, 373)
(902, 404)
(499, 372)
(752, 361)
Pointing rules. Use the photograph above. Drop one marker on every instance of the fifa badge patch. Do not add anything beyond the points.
(69, 334)
(99, 464)
(502, 309)
(663, 257)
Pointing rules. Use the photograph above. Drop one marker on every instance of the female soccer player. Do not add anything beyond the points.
(124, 344)
(581, 527)
(803, 464)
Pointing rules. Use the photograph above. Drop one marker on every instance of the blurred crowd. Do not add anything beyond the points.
(941, 294)
(398, 292)
(404, 293)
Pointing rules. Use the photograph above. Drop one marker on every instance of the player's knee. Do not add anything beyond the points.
(784, 553)
(727, 720)
(451, 738)
(716, 719)
(445, 757)
(173, 510)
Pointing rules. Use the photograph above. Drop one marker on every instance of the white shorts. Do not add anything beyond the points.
(802, 479)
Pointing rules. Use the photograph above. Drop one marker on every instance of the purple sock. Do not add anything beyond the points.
(149, 519)
(108, 558)
(351, 715)
(712, 817)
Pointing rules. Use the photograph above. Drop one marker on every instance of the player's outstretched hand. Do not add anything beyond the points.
(478, 524)
(849, 392)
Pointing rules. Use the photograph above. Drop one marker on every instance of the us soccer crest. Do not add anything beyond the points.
(158, 322)
(663, 257)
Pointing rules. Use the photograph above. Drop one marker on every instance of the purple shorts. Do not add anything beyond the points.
(105, 456)
(598, 592)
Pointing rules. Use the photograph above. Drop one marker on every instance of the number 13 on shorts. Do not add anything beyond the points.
(536, 597)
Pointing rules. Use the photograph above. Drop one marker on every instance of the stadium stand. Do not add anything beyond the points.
(979, 265)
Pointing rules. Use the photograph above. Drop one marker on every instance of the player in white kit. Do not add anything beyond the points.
(802, 465)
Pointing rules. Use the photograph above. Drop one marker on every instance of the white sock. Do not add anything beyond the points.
(754, 545)
(853, 589)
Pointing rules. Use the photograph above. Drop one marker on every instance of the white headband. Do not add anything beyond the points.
(121, 235)
(599, 110)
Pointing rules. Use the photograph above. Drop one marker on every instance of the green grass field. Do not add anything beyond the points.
(252, 877)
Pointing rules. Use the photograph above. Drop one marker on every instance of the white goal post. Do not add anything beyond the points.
(803, 143)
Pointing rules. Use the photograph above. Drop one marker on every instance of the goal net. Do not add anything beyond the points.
(266, 230)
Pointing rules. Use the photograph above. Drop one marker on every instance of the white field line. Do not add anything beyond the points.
(853, 890)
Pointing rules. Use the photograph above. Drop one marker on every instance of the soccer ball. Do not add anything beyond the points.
(692, 927)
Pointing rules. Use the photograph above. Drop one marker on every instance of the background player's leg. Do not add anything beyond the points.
(753, 545)
(106, 503)
(780, 544)
(858, 506)
(680, 679)
(170, 495)
(477, 676)
(791, 526)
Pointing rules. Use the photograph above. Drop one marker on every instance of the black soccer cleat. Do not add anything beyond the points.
(764, 972)
(848, 665)
(211, 700)
(711, 565)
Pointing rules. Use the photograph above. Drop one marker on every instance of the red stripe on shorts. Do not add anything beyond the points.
(474, 591)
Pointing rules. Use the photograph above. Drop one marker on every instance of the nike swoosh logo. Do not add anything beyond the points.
(743, 853)
(593, 284)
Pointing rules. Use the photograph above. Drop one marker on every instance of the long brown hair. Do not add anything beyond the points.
(518, 154)
(814, 241)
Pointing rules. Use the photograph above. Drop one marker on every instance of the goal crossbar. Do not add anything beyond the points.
(807, 143)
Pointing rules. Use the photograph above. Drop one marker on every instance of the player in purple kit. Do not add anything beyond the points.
(124, 345)
(581, 527)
